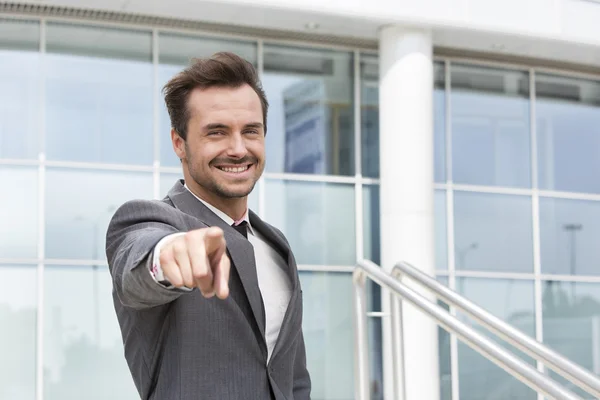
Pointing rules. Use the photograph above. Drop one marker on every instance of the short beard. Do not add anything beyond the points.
(212, 186)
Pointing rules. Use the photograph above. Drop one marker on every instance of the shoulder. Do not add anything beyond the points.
(141, 211)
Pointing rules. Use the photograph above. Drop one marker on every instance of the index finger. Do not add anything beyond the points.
(214, 243)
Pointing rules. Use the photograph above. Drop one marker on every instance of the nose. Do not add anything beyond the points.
(237, 146)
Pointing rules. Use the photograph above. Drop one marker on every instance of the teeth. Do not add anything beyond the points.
(235, 169)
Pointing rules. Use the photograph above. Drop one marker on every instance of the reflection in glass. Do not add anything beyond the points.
(493, 232)
(167, 180)
(317, 219)
(18, 212)
(19, 89)
(99, 95)
(18, 319)
(569, 232)
(369, 108)
(370, 118)
(513, 302)
(175, 53)
(571, 321)
(375, 335)
(568, 133)
(490, 127)
(80, 204)
(83, 350)
(311, 123)
(328, 333)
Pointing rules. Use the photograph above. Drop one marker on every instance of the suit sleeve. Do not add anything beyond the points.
(134, 231)
(302, 383)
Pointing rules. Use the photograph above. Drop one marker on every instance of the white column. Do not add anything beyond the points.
(406, 160)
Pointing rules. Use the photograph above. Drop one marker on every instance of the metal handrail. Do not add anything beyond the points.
(495, 353)
(574, 373)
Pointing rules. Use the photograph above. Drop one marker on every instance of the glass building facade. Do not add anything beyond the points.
(83, 128)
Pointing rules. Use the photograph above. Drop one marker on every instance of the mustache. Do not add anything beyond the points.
(235, 161)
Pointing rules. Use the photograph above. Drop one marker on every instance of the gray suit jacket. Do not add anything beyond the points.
(180, 345)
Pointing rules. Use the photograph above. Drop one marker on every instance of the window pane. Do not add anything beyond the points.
(568, 133)
(490, 127)
(317, 219)
(571, 315)
(512, 301)
(569, 236)
(441, 231)
(371, 224)
(328, 333)
(167, 180)
(439, 122)
(369, 108)
(19, 89)
(99, 95)
(80, 204)
(311, 122)
(175, 53)
(18, 212)
(493, 232)
(18, 319)
(370, 118)
(83, 350)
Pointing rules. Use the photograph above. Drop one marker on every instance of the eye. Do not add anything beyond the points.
(252, 132)
(215, 133)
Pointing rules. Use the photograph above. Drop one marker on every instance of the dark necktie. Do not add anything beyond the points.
(242, 228)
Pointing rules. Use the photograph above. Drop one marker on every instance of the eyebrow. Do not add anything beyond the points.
(217, 125)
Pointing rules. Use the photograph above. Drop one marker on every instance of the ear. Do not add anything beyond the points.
(178, 144)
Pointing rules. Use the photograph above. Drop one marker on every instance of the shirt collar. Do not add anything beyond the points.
(230, 221)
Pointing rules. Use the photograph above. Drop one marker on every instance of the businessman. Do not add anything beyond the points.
(207, 294)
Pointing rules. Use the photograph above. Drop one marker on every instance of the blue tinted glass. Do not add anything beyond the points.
(439, 122)
(568, 134)
(441, 230)
(490, 127)
(513, 302)
(571, 321)
(317, 218)
(493, 232)
(329, 333)
(18, 319)
(19, 89)
(19, 212)
(569, 232)
(83, 350)
(99, 104)
(176, 53)
(80, 204)
(371, 224)
(311, 115)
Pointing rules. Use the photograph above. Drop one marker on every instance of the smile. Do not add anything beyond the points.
(235, 170)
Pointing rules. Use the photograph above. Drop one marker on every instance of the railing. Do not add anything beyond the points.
(505, 359)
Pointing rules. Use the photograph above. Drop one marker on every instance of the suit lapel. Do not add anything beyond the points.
(239, 249)
(292, 320)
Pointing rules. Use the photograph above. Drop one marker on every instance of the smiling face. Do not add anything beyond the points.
(224, 153)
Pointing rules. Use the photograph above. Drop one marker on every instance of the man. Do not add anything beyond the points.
(207, 294)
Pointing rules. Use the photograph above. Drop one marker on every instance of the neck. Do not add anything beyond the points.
(234, 207)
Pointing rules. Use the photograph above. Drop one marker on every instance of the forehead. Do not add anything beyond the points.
(225, 102)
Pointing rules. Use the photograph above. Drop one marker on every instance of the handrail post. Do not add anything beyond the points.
(397, 344)
(361, 351)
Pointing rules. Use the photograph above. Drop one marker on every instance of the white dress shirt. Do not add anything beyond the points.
(273, 280)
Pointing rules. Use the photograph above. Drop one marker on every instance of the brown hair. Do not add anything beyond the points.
(221, 69)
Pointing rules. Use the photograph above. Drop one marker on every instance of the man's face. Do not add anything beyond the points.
(224, 152)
